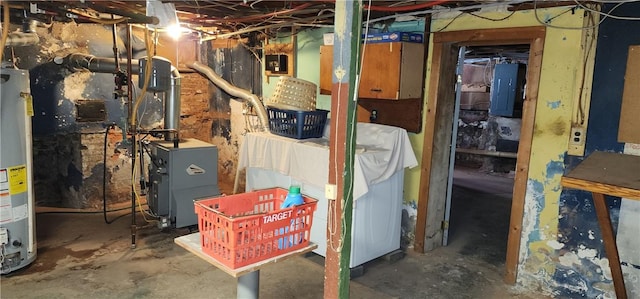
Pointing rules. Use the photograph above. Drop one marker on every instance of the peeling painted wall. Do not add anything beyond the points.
(68, 155)
(541, 245)
(578, 223)
(561, 250)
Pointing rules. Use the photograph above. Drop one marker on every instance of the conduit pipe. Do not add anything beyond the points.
(234, 91)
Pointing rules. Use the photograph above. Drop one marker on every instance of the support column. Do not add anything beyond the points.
(346, 50)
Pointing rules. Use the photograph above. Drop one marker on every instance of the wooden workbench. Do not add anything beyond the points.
(248, 276)
(604, 173)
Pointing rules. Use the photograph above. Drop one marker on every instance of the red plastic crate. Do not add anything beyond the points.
(242, 229)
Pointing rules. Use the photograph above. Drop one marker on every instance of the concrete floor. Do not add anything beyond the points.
(79, 256)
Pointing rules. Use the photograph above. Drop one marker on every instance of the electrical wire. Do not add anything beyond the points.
(580, 114)
(608, 14)
(104, 176)
(604, 14)
(492, 19)
(448, 24)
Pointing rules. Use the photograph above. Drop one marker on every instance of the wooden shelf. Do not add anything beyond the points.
(607, 173)
(191, 243)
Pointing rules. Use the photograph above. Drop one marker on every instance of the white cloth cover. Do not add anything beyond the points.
(381, 151)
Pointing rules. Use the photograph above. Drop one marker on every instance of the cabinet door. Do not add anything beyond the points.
(326, 65)
(380, 74)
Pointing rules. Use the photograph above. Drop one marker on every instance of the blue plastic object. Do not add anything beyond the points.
(294, 198)
(297, 124)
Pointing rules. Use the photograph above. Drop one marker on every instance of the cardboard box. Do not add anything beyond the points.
(474, 87)
(475, 100)
(389, 37)
(386, 37)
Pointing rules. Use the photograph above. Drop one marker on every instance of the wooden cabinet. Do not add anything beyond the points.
(391, 71)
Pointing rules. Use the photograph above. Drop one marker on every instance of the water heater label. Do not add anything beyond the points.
(6, 212)
(195, 170)
(4, 180)
(17, 179)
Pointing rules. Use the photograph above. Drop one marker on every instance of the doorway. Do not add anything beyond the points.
(485, 139)
(438, 132)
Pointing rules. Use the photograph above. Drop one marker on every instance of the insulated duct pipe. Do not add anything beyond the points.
(234, 91)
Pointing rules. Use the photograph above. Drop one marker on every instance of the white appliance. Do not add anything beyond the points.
(382, 154)
(18, 246)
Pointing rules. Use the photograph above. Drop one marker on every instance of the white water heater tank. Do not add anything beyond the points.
(17, 211)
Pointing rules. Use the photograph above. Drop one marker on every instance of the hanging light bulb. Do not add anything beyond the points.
(174, 31)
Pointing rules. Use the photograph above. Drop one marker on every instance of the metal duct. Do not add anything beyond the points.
(172, 107)
(17, 39)
(234, 91)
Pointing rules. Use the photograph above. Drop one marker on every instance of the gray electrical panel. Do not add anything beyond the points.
(507, 89)
(178, 176)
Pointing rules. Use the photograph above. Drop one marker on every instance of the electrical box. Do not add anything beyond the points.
(507, 89)
(276, 63)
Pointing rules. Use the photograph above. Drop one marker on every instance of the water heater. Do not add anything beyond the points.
(17, 214)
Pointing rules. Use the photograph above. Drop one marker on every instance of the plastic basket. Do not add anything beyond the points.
(294, 94)
(297, 124)
(243, 229)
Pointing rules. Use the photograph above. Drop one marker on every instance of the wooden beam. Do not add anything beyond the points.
(610, 247)
(489, 37)
(342, 143)
(427, 149)
(524, 155)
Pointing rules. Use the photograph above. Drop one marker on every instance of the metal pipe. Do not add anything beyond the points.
(487, 153)
(172, 107)
(234, 91)
(77, 61)
(17, 39)
(132, 16)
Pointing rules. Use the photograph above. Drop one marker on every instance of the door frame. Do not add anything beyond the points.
(433, 174)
